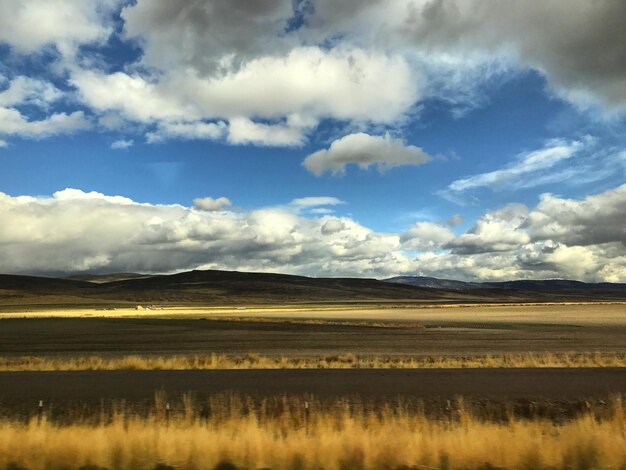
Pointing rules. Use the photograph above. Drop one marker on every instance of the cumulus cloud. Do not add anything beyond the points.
(426, 236)
(79, 231)
(582, 53)
(364, 150)
(12, 122)
(332, 226)
(203, 35)
(75, 231)
(28, 25)
(308, 83)
(274, 69)
(210, 204)
(495, 231)
(596, 219)
(122, 144)
(24, 90)
(245, 131)
(132, 95)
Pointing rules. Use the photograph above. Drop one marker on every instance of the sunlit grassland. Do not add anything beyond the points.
(340, 361)
(580, 313)
(290, 434)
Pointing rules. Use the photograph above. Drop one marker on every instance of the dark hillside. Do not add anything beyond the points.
(236, 288)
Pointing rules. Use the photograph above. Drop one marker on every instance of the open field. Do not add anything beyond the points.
(459, 331)
(546, 312)
(554, 365)
(284, 434)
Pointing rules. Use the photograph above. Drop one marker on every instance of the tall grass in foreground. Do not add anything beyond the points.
(342, 361)
(293, 436)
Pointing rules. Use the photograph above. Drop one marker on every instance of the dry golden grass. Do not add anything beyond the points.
(342, 361)
(288, 435)
(603, 312)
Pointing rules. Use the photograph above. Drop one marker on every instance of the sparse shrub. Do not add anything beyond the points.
(163, 466)
(225, 465)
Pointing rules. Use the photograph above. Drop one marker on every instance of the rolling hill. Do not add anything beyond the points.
(239, 288)
(547, 286)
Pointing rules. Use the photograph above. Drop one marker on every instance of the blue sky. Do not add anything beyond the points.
(427, 137)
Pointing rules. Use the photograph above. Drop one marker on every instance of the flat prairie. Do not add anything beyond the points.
(414, 331)
(457, 337)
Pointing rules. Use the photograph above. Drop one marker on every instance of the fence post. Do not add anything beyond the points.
(306, 415)
(40, 412)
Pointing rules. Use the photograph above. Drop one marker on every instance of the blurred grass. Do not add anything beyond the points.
(339, 361)
(286, 433)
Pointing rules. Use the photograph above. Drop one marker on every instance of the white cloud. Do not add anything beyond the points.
(273, 79)
(426, 236)
(596, 219)
(338, 83)
(314, 205)
(499, 230)
(303, 86)
(122, 144)
(29, 25)
(12, 122)
(582, 52)
(244, 131)
(332, 225)
(135, 97)
(521, 173)
(364, 150)
(321, 211)
(315, 201)
(75, 230)
(25, 90)
(3, 144)
(197, 130)
(210, 204)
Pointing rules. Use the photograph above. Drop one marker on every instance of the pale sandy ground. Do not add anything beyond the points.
(610, 313)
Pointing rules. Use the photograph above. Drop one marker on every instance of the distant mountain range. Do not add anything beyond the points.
(548, 285)
(237, 288)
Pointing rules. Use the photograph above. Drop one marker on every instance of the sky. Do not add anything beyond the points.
(475, 140)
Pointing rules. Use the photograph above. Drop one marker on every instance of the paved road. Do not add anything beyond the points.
(91, 386)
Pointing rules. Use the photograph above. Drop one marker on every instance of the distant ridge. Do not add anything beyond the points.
(242, 288)
(104, 278)
(433, 282)
(547, 285)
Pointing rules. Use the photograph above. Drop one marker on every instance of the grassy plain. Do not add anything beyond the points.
(290, 434)
(279, 432)
(314, 333)
(340, 361)
(546, 312)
